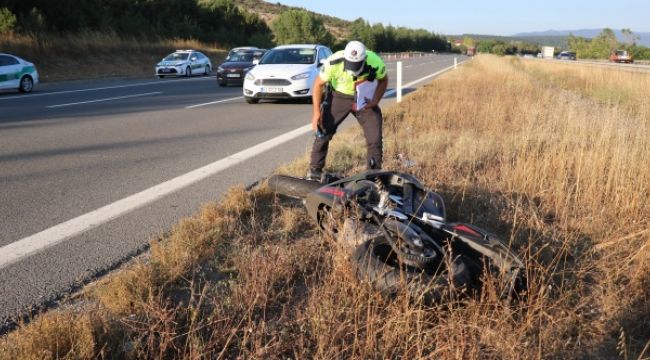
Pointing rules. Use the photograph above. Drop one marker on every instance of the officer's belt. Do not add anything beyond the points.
(342, 95)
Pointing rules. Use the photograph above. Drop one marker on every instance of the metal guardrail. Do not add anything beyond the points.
(405, 55)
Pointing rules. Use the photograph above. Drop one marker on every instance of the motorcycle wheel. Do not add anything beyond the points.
(377, 264)
(292, 186)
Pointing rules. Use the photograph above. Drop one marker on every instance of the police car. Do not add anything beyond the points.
(285, 72)
(184, 63)
(17, 73)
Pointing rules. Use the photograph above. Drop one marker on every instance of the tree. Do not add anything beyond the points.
(630, 38)
(360, 30)
(300, 26)
(499, 49)
(485, 46)
(7, 21)
(603, 44)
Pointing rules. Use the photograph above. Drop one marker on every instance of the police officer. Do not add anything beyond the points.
(341, 71)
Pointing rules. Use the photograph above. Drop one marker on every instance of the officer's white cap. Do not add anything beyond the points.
(355, 56)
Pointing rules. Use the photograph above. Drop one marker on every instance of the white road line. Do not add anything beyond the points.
(105, 99)
(214, 102)
(159, 82)
(33, 244)
(58, 233)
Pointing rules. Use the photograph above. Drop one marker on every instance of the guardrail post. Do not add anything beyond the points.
(399, 81)
(455, 62)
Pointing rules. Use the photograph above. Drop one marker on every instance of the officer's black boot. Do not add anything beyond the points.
(315, 174)
(373, 164)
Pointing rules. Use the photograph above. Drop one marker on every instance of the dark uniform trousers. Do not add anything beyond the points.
(336, 108)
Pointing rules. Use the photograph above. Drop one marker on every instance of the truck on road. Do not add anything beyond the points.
(547, 52)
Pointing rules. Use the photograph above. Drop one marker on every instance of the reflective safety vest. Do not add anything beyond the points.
(333, 71)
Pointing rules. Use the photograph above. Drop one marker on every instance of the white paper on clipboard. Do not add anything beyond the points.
(365, 90)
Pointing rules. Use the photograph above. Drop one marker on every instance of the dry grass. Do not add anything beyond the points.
(96, 55)
(530, 151)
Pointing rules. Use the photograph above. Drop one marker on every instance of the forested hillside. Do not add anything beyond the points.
(270, 11)
(218, 22)
(125, 38)
(223, 23)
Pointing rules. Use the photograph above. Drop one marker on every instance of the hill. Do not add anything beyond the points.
(269, 11)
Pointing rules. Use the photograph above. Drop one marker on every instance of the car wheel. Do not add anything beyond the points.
(207, 70)
(222, 83)
(251, 100)
(26, 84)
(188, 72)
(161, 76)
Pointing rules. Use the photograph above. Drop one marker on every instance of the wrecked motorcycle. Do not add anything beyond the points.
(400, 235)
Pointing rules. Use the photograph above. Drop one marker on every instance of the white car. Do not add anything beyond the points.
(184, 63)
(285, 72)
(17, 73)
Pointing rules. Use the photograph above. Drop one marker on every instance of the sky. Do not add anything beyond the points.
(497, 17)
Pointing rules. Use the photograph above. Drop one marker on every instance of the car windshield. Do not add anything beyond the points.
(289, 56)
(621, 52)
(241, 57)
(177, 57)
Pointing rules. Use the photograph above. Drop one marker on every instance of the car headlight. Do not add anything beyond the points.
(301, 76)
(219, 68)
(250, 76)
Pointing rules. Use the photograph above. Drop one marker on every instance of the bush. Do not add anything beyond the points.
(7, 21)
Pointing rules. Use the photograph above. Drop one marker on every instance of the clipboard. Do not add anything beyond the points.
(363, 89)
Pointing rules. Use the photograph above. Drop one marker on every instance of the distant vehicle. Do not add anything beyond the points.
(621, 56)
(184, 63)
(471, 51)
(17, 73)
(233, 70)
(285, 72)
(566, 55)
(547, 52)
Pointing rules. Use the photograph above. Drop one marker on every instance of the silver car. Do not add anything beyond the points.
(184, 63)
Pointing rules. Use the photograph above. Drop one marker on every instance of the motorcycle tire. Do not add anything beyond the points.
(376, 263)
(292, 186)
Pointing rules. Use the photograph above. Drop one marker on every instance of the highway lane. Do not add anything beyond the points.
(69, 149)
(602, 64)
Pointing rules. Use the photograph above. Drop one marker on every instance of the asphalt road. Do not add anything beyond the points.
(69, 149)
(636, 67)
